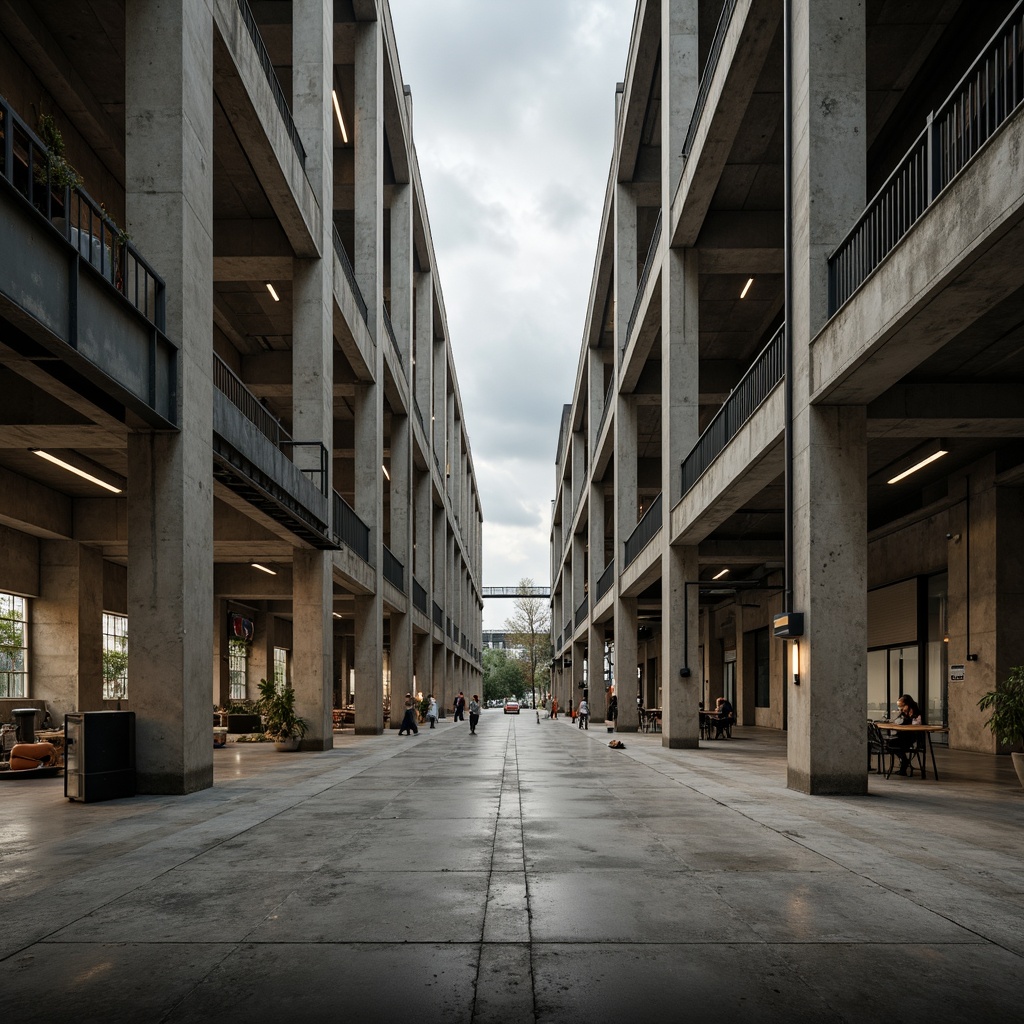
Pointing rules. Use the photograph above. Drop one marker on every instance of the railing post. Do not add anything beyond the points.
(934, 153)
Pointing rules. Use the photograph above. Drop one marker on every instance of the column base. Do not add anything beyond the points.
(317, 744)
(822, 784)
(173, 784)
(369, 730)
(680, 742)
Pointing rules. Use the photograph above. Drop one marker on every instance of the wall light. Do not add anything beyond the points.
(263, 568)
(794, 660)
(919, 465)
(746, 288)
(337, 114)
(724, 572)
(78, 472)
(273, 294)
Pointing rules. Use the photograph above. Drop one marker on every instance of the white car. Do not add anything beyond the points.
(511, 707)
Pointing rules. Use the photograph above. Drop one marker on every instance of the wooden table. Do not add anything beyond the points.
(927, 730)
(649, 719)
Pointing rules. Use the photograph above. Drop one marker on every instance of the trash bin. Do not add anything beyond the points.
(25, 720)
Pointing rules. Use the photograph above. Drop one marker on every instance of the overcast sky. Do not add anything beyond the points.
(513, 116)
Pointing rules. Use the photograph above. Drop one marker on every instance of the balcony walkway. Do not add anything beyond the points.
(528, 873)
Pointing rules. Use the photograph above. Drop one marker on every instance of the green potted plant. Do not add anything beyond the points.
(1006, 704)
(280, 721)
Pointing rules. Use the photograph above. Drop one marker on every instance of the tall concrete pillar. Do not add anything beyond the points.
(826, 709)
(597, 695)
(312, 640)
(402, 274)
(439, 413)
(221, 666)
(625, 264)
(169, 207)
(401, 547)
(625, 522)
(423, 347)
(66, 628)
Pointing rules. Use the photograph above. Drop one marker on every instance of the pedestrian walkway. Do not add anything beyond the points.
(528, 873)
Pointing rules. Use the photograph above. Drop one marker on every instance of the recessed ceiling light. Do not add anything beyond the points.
(337, 114)
(724, 572)
(746, 288)
(273, 293)
(78, 472)
(919, 465)
(263, 568)
(386, 473)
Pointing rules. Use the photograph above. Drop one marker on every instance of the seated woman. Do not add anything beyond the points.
(907, 713)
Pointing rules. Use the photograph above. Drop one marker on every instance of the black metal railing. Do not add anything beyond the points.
(754, 387)
(605, 580)
(558, 642)
(704, 88)
(567, 628)
(644, 532)
(350, 274)
(35, 172)
(394, 570)
(272, 80)
(448, 626)
(982, 101)
(582, 611)
(438, 616)
(419, 415)
(652, 252)
(419, 595)
(389, 327)
(233, 387)
(609, 398)
(350, 529)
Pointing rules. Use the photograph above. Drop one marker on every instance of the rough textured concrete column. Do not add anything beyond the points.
(401, 548)
(625, 264)
(439, 412)
(402, 273)
(66, 628)
(826, 711)
(679, 84)
(221, 668)
(423, 346)
(169, 206)
(597, 695)
(626, 663)
(625, 523)
(312, 639)
(261, 651)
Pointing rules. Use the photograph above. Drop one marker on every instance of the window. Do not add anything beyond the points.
(115, 656)
(280, 668)
(238, 662)
(13, 646)
(762, 669)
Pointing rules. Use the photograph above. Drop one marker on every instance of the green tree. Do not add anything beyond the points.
(503, 676)
(115, 668)
(528, 630)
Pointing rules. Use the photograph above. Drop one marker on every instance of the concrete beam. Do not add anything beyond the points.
(961, 410)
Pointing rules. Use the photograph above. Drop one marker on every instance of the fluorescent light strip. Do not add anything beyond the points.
(920, 465)
(74, 469)
(336, 615)
(724, 572)
(386, 473)
(337, 114)
(273, 294)
(263, 568)
(746, 288)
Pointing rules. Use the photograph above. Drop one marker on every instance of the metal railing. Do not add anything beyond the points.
(350, 529)
(652, 252)
(609, 398)
(389, 327)
(644, 532)
(272, 80)
(31, 168)
(558, 642)
(753, 388)
(605, 580)
(420, 416)
(714, 55)
(984, 98)
(438, 616)
(419, 595)
(582, 612)
(231, 385)
(394, 570)
(350, 274)
(567, 628)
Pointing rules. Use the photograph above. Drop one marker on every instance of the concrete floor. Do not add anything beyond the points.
(528, 873)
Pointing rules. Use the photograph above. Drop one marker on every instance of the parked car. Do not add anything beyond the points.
(511, 707)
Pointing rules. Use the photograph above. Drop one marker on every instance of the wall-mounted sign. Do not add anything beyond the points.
(956, 673)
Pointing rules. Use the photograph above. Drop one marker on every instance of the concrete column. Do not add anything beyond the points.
(439, 412)
(221, 668)
(401, 273)
(312, 641)
(423, 663)
(66, 629)
(401, 548)
(423, 345)
(826, 711)
(368, 128)
(169, 207)
(437, 672)
(679, 84)
(261, 652)
(597, 694)
(625, 522)
(625, 264)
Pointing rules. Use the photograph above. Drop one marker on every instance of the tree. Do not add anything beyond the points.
(528, 630)
(115, 669)
(503, 676)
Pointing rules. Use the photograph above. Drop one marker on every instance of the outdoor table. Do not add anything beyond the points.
(927, 730)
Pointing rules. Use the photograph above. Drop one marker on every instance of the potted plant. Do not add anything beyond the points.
(1006, 703)
(280, 722)
(55, 172)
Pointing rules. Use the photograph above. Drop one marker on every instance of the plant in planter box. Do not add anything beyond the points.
(1006, 704)
(280, 721)
(55, 171)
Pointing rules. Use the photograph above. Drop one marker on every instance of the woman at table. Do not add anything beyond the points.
(907, 713)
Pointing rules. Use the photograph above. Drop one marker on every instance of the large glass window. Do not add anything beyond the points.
(937, 654)
(115, 656)
(238, 663)
(280, 668)
(892, 671)
(13, 646)
(762, 669)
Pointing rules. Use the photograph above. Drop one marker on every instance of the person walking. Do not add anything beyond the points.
(460, 708)
(554, 708)
(409, 718)
(432, 711)
(474, 714)
(613, 709)
(583, 714)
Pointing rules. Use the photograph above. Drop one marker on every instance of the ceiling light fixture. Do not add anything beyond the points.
(263, 568)
(337, 114)
(746, 288)
(387, 475)
(724, 572)
(336, 615)
(78, 472)
(273, 294)
(918, 465)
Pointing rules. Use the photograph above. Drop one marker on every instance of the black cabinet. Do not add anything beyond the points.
(99, 755)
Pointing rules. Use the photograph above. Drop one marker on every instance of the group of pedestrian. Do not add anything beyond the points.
(409, 727)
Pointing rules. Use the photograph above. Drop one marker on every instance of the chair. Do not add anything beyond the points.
(723, 726)
(882, 746)
(705, 725)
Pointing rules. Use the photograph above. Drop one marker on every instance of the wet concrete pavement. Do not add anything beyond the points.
(528, 873)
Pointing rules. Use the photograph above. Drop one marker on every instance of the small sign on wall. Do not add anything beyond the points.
(956, 673)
